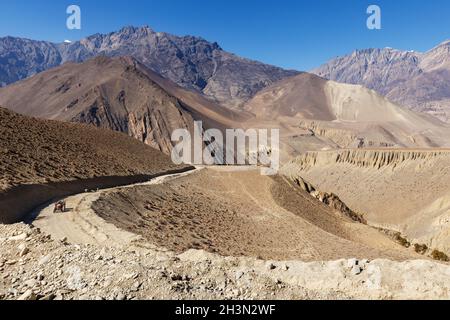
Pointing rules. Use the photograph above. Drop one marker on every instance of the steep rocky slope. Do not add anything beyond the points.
(44, 153)
(417, 80)
(191, 62)
(401, 190)
(115, 93)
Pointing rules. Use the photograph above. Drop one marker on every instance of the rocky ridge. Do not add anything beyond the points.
(329, 199)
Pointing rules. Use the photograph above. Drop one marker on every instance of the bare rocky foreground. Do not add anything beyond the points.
(33, 266)
(97, 260)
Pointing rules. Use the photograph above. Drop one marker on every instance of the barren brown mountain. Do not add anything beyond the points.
(191, 62)
(315, 114)
(115, 93)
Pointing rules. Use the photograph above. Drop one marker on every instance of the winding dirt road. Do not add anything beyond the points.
(81, 225)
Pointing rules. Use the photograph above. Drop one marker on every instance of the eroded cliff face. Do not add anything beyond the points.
(364, 158)
(151, 123)
(402, 190)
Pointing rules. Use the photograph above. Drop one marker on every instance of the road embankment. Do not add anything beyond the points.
(17, 202)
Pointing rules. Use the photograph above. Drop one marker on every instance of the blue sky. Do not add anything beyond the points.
(296, 34)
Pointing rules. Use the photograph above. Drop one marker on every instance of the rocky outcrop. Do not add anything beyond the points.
(419, 248)
(191, 62)
(329, 199)
(417, 80)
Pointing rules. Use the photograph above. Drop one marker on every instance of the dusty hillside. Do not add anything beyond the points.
(344, 112)
(403, 190)
(42, 152)
(39, 151)
(316, 114)
(242, 214)
(115, 93)
(310, 97)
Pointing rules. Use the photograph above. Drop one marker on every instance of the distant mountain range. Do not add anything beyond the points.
(190, 62)
(420, 81)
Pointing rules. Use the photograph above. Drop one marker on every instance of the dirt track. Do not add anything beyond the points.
(81, 225)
